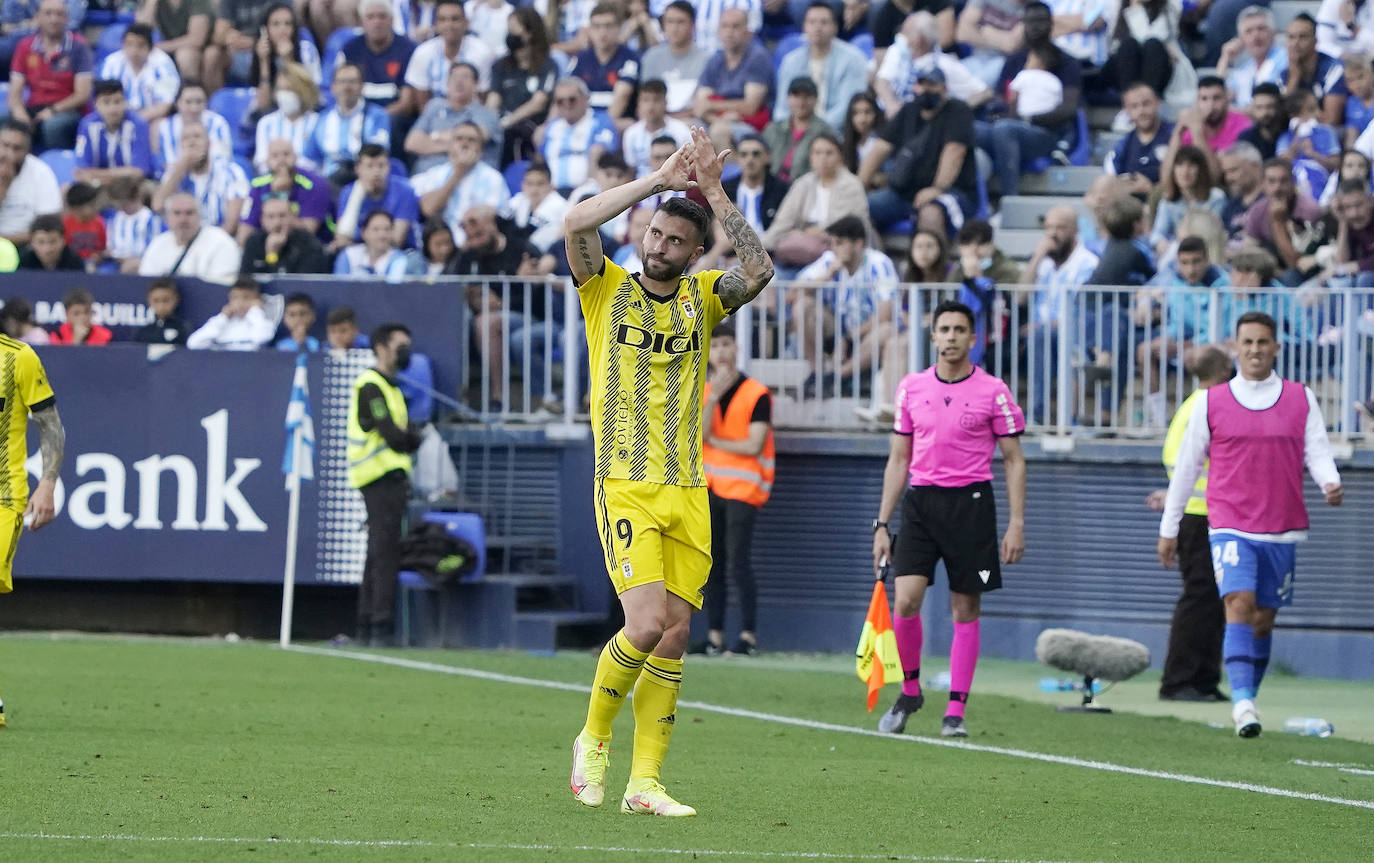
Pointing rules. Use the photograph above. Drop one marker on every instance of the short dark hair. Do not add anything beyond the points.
(540, 166)
(341, 315)
(246, 283)
(1212, 364)
(81, 194)
(821, 4)
(974, 231)
(123, 188)
(611, 161)
(847, 228)
(463, 64)
(1353, 187)
(955, 307)
(163, 283)
(108, 87)
(143, 31)
(1278, 162)
(354, 66)
(376, 214)
(1192, 245)
(604, 8)
(1254, 317)
(1136, 85)
(757, 139)
(14, 124)
(17, 309)
(1120, 216)
(1306, 18)
(382, 335)
(300, 299)
(1210, 81)
(372, 151)
(78, 297)
(683, 7)
(49, 222)
(1252, 259)
(655, 85)
(1268, 88)
(724, 330)
(664, 139)
(825, 136)
(684, 208)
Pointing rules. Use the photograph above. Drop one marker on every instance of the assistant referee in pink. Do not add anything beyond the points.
(949, 418)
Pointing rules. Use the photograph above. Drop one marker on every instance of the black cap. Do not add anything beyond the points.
(803, 85)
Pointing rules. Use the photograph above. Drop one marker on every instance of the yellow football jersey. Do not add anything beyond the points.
(23, 386)
(649, 366)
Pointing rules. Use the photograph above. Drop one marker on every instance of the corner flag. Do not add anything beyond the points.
(299, 461)
(876, 659)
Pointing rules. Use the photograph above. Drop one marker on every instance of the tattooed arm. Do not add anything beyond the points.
(581, 224)
(742, 283)
(52, 441)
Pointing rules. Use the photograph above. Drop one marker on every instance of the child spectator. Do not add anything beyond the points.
(1038, 90)
(83, 225)
(112, 141)
(241, 325)
(80, 327)
(1313, 147)
(134, 224)
(16, 321)
(298, 318)
(148, 74)
(341, 329)
(47, 249)
(166, 327)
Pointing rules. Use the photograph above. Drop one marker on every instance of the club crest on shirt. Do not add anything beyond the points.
(625, 568)
(687, 308)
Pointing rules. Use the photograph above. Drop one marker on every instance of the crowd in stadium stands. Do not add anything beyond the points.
(217, 138)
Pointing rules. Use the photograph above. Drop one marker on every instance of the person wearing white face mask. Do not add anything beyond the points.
(296, 97)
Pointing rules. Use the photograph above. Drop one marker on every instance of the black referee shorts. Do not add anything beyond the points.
(956, 525)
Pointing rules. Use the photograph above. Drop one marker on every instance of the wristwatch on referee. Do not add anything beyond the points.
(879, 524)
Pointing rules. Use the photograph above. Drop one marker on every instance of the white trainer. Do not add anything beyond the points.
(1246, 718)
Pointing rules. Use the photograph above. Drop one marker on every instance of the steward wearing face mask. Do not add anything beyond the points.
(380, 441)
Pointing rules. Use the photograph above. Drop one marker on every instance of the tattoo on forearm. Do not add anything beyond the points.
(744, 282)
(52, 440)
(585, 252)
(658, 187)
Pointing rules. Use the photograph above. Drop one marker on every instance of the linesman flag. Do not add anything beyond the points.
(299, 458)
(876, 660)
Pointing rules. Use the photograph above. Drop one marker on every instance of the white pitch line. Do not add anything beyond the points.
(494, 846)
(798, 722)
(1356, 769)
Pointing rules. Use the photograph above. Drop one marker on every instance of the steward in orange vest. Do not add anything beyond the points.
(738, 454)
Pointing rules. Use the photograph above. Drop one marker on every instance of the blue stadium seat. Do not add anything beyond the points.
(864, 42)
(246, 164)
(63, 164)
(412, 585)
(106, 17)
(332, 46)
(785, 44)
(233, 104)
(399, 169)
(514, 173)
(904, 228)
(110, 41)
(1080, 155)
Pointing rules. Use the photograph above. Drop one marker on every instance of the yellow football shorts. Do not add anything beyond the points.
(653, 532)
(11, 526)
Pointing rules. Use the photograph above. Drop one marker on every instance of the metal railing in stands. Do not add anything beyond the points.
(833, 357)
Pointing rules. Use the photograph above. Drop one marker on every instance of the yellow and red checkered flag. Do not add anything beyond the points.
(876, 659)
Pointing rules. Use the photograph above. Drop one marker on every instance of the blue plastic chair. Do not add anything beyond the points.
(106, 17)
(864, 42)
(63, 164)
(247, 165)
(785, 44)
(399, 169)
(110, 41)
(515, 173)
(330, 55)
(463, 525)
(1082, 151)
(233, 104)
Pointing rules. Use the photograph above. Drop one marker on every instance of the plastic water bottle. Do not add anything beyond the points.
(1058, 684)
(1308, 726)
(939, 683)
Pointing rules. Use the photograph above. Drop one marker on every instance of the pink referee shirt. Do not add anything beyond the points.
(955, 426)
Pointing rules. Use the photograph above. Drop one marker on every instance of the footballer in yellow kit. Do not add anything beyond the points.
(648, 336)
(24, 389)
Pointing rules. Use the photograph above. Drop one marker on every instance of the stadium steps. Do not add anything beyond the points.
(551, 630)
(1027, 211)
(538, 591)
(1061, 180)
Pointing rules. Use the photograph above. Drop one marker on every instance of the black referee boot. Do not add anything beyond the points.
(894, 721)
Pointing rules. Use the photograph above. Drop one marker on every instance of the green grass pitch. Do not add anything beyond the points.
(165, 750)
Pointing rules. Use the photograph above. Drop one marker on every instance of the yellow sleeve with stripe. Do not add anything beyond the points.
(1197, 501)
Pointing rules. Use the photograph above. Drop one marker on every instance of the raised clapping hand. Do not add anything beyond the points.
(709, 164)
(677, 169)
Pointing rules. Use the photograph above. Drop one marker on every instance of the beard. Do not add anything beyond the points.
(661, 271)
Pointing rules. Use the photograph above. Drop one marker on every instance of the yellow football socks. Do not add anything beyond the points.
(616, 672)
(655, 708)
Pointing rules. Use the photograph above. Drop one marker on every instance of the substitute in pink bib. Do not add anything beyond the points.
(1254, 484)
(954, 425)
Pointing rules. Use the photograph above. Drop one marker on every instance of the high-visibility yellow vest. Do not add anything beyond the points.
(1197, 503)
(732, 476)
(369, 456)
